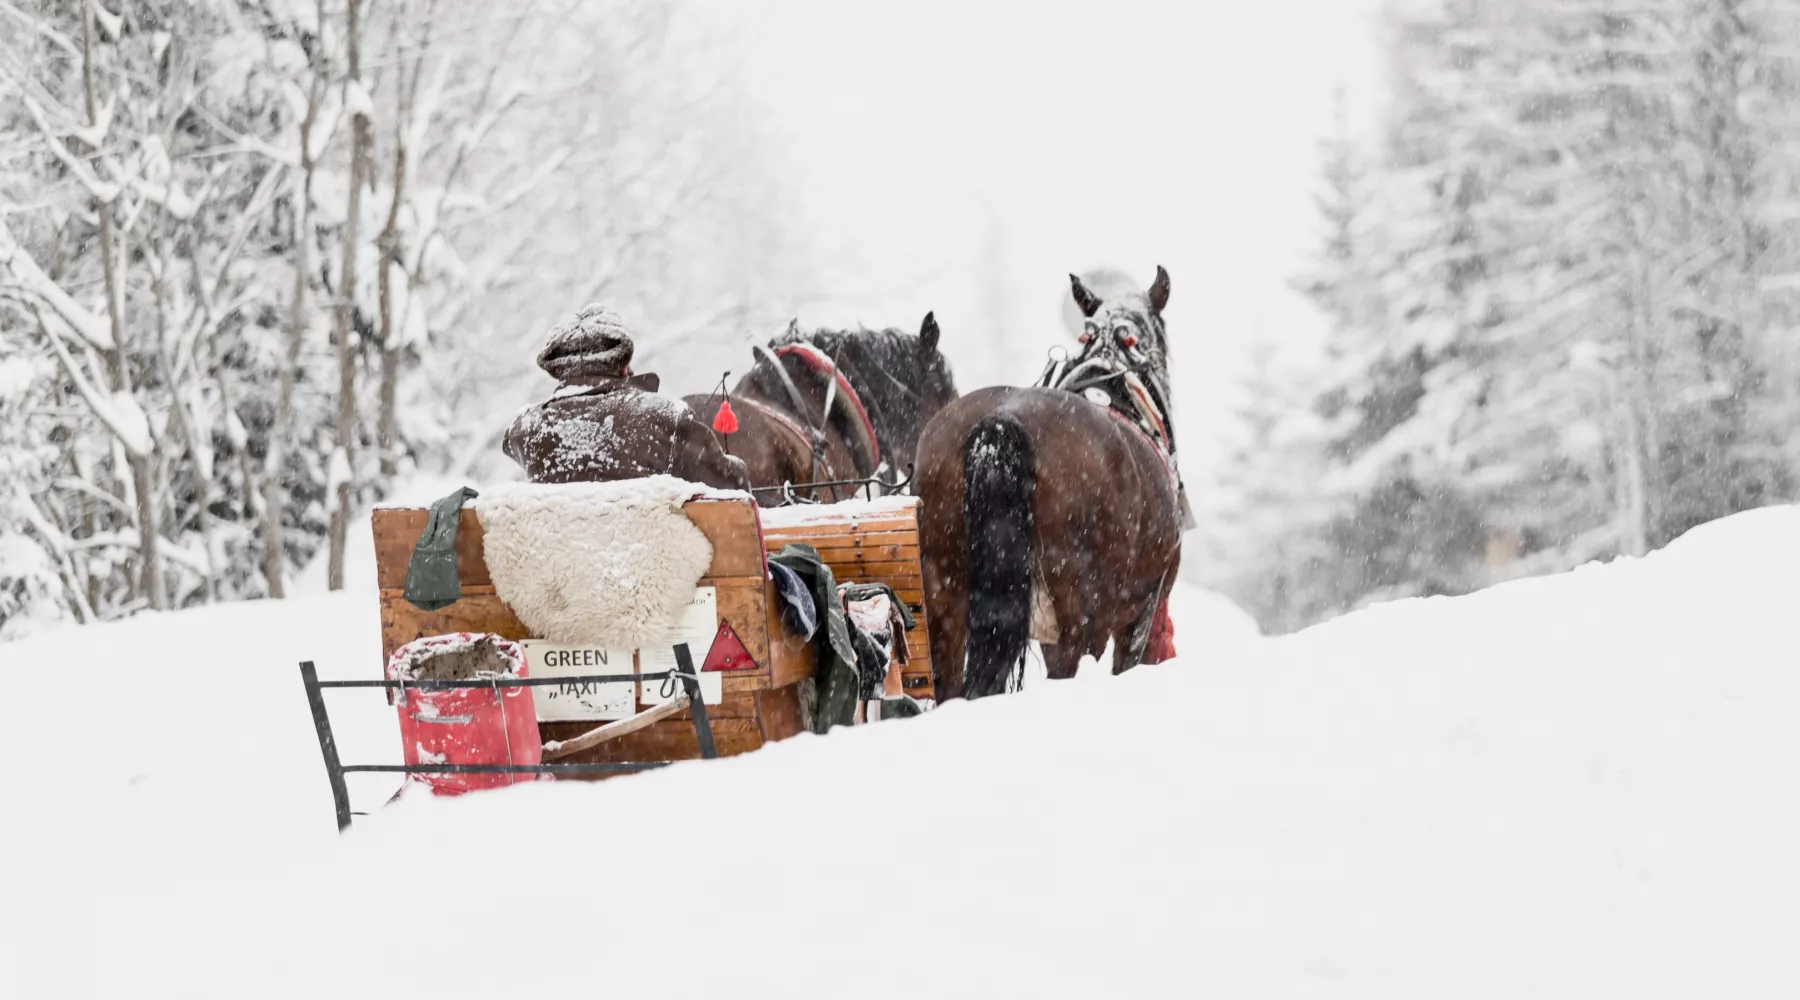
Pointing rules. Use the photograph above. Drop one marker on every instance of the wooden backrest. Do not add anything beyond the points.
(876, 546)
(737, 571)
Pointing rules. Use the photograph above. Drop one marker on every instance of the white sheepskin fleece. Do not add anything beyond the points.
(602, 564)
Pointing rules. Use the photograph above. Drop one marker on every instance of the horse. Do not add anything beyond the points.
(881, 386)
(1055, 514)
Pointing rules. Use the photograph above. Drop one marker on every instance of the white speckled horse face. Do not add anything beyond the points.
(1125, 331)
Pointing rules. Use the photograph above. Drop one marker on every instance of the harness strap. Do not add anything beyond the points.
(1146, 406)
(818, 361)
(787, 382)
(789, 425)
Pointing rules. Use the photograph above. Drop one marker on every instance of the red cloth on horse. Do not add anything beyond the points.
(1162, 636)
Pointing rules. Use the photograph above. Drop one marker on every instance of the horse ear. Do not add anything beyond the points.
(928, 334)
(1159, 290)
(1088, 301)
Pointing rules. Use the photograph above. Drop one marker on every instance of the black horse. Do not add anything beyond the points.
(834, 405)
(1054, 512)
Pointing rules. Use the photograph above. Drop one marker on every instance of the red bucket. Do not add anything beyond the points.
(495, 725)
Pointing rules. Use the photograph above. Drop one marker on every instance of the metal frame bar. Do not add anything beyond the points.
(696, 704)
(336, 769)
(867, 484)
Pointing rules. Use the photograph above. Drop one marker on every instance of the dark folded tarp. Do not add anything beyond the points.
(431, 580)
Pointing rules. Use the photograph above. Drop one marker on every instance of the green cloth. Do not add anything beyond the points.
(836, 673)
(903, 707)
(431, 580)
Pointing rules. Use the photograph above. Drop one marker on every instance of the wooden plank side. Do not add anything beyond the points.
(791, 658)
(779, 710)
(886, 572)
(841, 539)
(401, 622)
(746, 607)
(875, 553)
(744, 681)
(736, 537)
(730, 525)
(883, 522)
(397, 530)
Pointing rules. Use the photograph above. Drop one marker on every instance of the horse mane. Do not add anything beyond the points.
(884, 366)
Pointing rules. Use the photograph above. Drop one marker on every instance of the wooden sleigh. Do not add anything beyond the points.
(861, 542)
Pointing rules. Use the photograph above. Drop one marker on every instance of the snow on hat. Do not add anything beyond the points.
(594, 343)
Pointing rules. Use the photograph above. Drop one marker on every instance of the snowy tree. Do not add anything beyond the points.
(1263, 544)
(256, 257)
(1558, 330)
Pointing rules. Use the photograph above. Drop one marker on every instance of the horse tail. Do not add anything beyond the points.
(999, 491)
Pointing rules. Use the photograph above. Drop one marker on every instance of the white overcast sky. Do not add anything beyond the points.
(966, 156)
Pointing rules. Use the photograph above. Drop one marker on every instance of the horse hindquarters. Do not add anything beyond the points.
(999, 496)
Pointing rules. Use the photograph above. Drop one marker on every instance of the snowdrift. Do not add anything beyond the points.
(1578, 786)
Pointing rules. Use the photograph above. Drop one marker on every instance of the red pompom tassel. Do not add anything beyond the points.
(725, 421)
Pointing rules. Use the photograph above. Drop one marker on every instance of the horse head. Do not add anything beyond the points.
(901, 380)
(1122, 333)
(1125, 331)
(920, 384)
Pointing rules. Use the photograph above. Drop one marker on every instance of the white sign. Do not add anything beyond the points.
(579, 702)
(697, 626)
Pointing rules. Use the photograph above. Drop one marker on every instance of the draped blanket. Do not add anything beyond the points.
(603, 564)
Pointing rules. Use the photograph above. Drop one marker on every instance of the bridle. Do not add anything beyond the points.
(1137, 381)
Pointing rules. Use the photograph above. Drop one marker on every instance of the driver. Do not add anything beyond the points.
(603, 422)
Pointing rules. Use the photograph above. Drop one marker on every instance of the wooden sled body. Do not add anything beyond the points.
(864, 542)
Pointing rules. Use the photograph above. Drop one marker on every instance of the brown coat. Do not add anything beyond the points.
(597, 428)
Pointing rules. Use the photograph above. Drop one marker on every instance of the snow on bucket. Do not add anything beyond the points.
(465, 725)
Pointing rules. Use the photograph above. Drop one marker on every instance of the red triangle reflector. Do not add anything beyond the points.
(727, 652)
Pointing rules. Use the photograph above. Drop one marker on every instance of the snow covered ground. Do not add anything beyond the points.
(1583, 786)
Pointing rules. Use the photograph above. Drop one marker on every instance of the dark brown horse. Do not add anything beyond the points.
(830, 405)
(1054, 514)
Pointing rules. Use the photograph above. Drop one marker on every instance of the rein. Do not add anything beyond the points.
(825, 365)
(1147, 411)
(1142, 392)
(815, 438)
(792, 427)
(787, 383)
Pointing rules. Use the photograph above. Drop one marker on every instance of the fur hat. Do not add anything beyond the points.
(594, 343)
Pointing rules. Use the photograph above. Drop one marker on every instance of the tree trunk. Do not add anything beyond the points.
(343, 461)
(390, 351)
(149, 578)
(197, 437)
(282, 432)
(1636, 396)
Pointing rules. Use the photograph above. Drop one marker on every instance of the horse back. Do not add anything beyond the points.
(1086, 455)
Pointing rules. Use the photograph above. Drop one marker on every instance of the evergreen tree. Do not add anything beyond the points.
(1562, 294)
